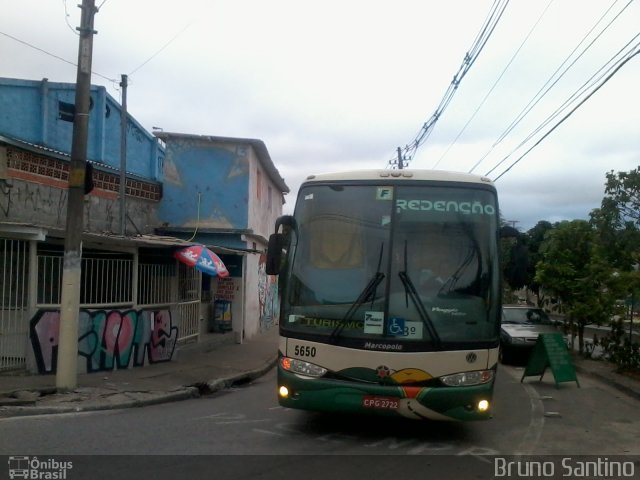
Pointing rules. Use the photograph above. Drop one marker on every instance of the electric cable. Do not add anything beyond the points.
(53, 55)
(513, 57)
(602, 83)
(550, 83)
(470, 57)
(589, 83)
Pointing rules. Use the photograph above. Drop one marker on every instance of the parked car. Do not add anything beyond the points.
(520, 328)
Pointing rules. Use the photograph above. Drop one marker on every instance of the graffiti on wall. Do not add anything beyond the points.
(107, 339)
(267, 295)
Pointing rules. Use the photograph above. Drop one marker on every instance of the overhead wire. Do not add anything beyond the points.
(612, 71)
(112, 80)
(161, 48)
(513, 57)
(470, 57)
(57, 57)
(572, 98)
(550, 83)
(66, 18)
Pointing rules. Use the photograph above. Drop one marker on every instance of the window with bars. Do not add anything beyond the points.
(14, 262)
(154, 283)
(106, 278)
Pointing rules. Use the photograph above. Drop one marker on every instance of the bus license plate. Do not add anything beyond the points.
(384, 403)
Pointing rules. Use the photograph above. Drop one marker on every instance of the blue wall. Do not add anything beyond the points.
(220, 175)
(33, 111)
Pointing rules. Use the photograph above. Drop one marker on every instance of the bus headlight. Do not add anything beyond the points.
(467, 378)
(301, 367)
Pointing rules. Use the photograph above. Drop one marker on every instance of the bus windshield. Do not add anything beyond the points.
(414, 264)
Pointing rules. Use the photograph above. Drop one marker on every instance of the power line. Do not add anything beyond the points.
(66, 18)
(53, 55)
(161, 49)
(494, 85)
(585, 86)
(470, 57)
(607, 78)
(550, 83)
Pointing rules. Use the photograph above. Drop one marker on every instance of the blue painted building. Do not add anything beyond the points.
(41, 112)
(226, 192)
(223, 193)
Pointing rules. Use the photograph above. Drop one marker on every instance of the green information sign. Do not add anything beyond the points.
(551, 351)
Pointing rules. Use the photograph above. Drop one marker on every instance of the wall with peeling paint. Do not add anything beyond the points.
(44, 205)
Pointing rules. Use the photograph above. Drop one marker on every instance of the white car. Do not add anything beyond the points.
(520, 328)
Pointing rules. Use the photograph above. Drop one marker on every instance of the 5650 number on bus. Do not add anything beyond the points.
(304, 351)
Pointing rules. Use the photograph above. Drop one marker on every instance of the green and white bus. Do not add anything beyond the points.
(390, 294)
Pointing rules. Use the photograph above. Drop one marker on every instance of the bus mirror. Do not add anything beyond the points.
(286, 221)
(274, 253)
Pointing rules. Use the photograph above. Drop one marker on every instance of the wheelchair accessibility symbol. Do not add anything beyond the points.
(396, 327)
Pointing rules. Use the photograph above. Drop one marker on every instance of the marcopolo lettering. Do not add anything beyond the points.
(466, 208)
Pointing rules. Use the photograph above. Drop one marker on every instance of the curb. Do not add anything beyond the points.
(24, 411)
(184, 393)
(241, 378)
(633, 392)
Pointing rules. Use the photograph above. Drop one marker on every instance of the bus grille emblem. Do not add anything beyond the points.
(471, 357)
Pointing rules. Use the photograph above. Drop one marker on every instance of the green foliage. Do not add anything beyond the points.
(619, 349)
(590, 265)
(572, 268)
(533, 240)
(618, 218)
(622, 197)
(514, 257)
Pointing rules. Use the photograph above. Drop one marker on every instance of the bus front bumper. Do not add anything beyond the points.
(421, 403)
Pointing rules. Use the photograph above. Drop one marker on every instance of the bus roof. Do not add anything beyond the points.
(405, 174)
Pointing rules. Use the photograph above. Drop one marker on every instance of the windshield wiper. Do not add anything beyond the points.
(410, 291)
(368, 291)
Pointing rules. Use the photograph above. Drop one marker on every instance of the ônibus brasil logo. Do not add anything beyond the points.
(37, 468)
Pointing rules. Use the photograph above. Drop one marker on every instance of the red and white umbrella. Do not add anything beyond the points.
(203, 259)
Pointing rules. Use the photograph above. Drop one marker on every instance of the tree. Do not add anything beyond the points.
(573, 269)
(617, 223)
(534, 238)
(622, 197)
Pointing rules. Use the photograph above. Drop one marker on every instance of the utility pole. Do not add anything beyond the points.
(67, 366)
(400, 165)
(123, 157)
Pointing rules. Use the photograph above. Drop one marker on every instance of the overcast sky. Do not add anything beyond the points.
(340, 84)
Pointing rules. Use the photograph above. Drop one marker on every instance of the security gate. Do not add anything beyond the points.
(14, 321)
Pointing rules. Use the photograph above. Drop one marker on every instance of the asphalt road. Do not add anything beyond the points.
(249, 433)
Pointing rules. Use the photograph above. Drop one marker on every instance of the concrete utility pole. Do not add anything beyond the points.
(123, 157)
(67, 367)
(400, 161)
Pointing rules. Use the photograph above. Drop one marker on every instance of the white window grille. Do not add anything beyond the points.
(155, 284)
(49, 280)
(189, 289)
(105, 282)
(14, 323)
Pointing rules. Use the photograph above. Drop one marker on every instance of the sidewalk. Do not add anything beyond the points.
(196, 369)
(604, 372)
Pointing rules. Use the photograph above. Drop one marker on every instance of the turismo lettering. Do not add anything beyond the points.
(330, 323)
(466, 208)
